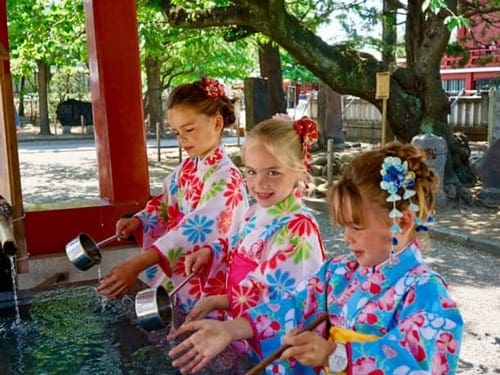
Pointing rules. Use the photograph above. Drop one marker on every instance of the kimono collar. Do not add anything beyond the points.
(290, 205)
(270, 219)
(406, 259)
(403, 256)
(212, 158)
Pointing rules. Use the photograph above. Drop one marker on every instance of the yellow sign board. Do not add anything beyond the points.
(383, 85)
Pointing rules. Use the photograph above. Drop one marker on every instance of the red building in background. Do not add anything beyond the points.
(478, 67)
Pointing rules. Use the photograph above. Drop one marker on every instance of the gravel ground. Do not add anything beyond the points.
(57, 178)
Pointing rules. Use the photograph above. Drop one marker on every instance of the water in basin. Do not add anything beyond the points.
(68, 330)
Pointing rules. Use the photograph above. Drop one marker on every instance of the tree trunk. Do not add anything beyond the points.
(20, 109)
(43, 100)
(153, 107)
(270, 68)
(329, 116)
(389, 32)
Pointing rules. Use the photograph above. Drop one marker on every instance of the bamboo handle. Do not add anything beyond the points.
(182, 283)
(107, 240)
(277, 353)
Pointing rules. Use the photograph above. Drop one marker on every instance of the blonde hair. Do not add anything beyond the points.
(282, 141)
(360, 182)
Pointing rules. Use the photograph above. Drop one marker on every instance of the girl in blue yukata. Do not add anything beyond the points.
(279, 242)
(202, 203)
(387, 311)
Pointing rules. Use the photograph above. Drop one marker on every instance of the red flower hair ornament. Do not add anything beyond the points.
(308, 131)
(213, 88)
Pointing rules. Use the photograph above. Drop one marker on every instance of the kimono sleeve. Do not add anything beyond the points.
(425, 337)
(272, 320)
(212, 223)
(154, 217)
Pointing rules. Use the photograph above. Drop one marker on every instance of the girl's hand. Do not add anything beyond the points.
(308, 348)
(118, 281)
(197, 260)
(209, 338)
(126, 226)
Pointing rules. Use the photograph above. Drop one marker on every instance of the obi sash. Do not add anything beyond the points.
(241, 266)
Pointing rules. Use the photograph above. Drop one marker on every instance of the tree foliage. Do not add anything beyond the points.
(417, 98)
(174, 55)
(45, 34)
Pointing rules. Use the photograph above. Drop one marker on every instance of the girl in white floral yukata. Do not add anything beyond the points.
(202, 203)
(386, 311)
(279, 243)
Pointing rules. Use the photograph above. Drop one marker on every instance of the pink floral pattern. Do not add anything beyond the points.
(269, 242)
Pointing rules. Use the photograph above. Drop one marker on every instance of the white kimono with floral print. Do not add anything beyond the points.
(202, 204)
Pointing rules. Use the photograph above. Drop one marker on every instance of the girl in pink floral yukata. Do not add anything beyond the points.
(386, 311)
(202, 203)
(279, 243)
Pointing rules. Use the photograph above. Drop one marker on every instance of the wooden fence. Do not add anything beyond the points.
(362, 121)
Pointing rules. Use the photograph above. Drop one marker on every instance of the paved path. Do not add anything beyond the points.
(57, 177)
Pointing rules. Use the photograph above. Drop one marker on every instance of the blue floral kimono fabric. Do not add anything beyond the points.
(406, 305)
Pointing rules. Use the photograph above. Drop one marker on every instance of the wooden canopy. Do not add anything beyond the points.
(120, 139)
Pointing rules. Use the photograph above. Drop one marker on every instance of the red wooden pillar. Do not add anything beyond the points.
(10, 180)
(119, 132)
(117, 100)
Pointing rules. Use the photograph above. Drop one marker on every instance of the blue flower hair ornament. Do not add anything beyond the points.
(396, 176)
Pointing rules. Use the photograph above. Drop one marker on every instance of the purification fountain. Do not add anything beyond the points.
(8, 248)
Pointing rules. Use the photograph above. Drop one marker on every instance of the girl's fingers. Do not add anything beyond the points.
(187, 343)
(185, 360)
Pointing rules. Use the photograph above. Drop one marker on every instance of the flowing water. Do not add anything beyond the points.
(12, 259)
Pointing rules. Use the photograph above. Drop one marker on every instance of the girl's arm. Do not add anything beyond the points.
(218, 213)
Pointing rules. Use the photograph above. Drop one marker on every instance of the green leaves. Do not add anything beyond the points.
(435, 6)
(215, 188)
(452, 21)
(456, 22)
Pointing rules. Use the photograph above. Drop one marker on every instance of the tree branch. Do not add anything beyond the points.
(272, 19)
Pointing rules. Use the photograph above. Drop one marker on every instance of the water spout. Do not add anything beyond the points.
(7, 240)
(6, 284)
(8, 247)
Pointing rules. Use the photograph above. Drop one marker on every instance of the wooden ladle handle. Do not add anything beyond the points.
(277, 353)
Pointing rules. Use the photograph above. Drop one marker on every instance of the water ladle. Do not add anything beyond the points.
(153, 306)
(84, 252)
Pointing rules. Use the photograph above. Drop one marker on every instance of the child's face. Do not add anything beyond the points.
(268, 180)
(370, 243)
(196, 132)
